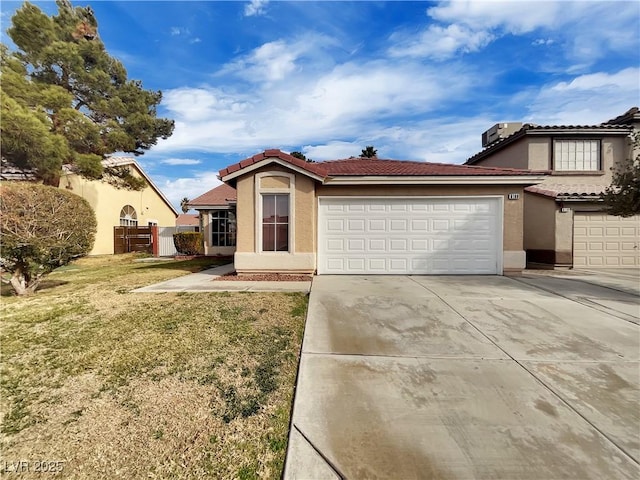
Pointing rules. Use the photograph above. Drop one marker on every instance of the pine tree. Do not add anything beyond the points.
(66, 101)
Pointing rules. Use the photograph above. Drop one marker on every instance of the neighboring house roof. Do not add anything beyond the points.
(374, 170)
(621, 125)
(188, 220)
(566, 191)
(221, 196)
(629, 117)
(10, 172)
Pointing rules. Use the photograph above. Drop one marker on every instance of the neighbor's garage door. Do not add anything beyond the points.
(601, 240)
(409, 235)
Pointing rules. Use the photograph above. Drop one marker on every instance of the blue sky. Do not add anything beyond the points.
(418, 80)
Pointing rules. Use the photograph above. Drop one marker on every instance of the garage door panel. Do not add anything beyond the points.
(409, 236)
(602, 240)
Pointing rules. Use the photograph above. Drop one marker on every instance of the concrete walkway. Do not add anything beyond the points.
(467, 377)
(203, 282)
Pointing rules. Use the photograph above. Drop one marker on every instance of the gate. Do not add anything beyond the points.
(132, 239)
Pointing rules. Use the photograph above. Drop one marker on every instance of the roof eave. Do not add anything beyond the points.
(267, 161)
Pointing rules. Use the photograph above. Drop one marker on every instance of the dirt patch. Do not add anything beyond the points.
(264, 277)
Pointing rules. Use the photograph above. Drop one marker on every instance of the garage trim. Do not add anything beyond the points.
(499, 220)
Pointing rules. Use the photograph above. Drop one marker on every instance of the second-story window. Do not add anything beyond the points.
(576, 155)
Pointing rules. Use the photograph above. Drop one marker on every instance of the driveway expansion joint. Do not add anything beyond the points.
(539, 380)
(329, 463)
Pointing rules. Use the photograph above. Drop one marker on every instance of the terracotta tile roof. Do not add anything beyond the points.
(374, 167)
(377, 167)
(584, 190)
(273, 153)
(630, 116)
(188, 220)
(221, 196)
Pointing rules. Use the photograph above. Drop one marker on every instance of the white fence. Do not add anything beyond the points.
(166, 247)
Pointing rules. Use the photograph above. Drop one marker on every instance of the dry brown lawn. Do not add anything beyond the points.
(167, 385)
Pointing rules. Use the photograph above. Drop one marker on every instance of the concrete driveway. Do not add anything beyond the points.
(467, 377)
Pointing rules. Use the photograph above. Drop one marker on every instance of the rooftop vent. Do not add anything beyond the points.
(499, 131)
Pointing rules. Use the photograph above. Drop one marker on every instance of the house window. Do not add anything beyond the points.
(128, 217)
(223, 228)
(576, 155)
(275, 223)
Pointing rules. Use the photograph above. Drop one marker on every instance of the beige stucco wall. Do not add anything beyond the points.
(513, 209)
(107, 202)
(303, 213)
(301, 257)
(539, 232)
(511, 156)
(536, 153)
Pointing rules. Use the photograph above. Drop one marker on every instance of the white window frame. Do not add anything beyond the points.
(571, 164)
(259, 191)
(128, 219)
(235, 220)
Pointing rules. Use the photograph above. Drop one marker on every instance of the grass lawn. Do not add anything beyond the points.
(159, 385)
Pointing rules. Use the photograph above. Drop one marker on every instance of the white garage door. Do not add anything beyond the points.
(409, 235)
(601, 240)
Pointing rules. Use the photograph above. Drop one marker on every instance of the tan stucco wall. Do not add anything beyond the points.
(512, 156)
(107, 202)
(539, 152)
(564, 236)
(274, 182)
(303, 212)
(513, 209)
(245, 216)
(539, 232)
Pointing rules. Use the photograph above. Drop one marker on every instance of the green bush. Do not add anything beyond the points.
(188, 243)
(43, 228)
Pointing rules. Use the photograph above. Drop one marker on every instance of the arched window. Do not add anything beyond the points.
(128, 217)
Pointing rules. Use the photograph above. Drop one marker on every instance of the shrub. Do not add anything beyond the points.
(188, 243)
(43, 228)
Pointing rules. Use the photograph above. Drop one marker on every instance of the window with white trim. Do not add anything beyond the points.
(223, 228)
(275, 222)
(576, 155)
(128, 217)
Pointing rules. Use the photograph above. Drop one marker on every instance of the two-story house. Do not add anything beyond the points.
(564, 221)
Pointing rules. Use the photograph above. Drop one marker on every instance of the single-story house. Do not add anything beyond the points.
(366, 216)
(114, 207)
(120, 206)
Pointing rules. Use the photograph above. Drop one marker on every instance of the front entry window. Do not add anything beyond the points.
(223, 228)
(275, 223)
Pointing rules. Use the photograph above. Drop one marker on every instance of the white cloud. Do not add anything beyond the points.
(255, 8)
(180, 161)
(585, 100)
(440, 42)
(514, 16)
(345, 101)
(585, 30)
(190, 187)
(271, 61)
(175, 31)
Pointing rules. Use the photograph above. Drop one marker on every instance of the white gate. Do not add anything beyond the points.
(166, 248)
